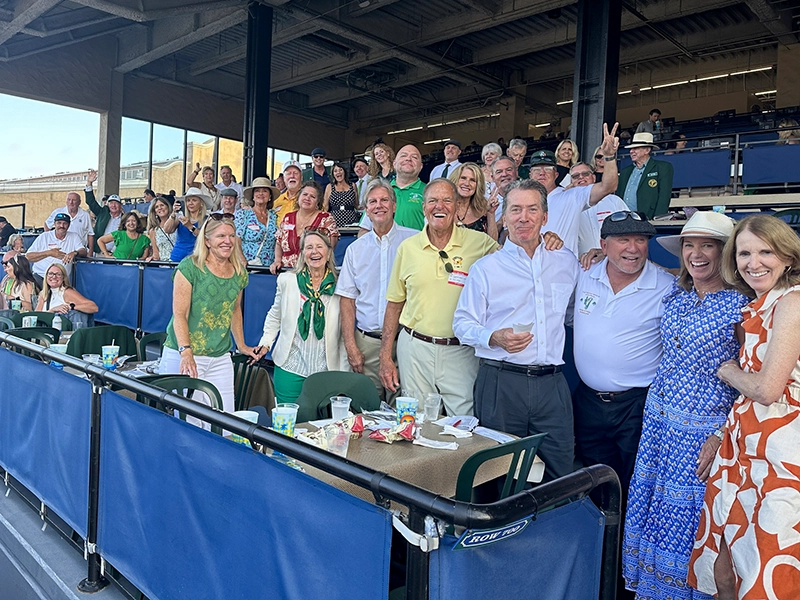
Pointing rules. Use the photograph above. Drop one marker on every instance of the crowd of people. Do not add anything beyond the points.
(689, 381)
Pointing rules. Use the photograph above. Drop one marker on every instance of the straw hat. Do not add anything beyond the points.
(261, 182)
(207, 200)
(706, 224)
(642, 140)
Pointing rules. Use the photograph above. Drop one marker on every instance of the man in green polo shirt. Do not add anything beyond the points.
(408, 190)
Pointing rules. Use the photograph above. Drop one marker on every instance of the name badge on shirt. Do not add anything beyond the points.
(253, 227)
(458, 278)
(587, 302)
(289, 226)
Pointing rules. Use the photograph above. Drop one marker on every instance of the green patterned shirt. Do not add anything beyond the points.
(213, 300)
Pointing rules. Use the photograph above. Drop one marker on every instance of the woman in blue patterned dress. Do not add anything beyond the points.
(258, 227)
(686, 405)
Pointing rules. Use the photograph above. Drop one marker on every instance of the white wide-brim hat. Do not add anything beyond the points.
(704, 224)
(207, 200)
(642, 140)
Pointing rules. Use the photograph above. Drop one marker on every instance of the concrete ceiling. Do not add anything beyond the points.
(381, 63)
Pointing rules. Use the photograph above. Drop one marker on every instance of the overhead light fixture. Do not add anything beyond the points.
(437, 141)
(752, 71)
(542, 125)
(766, 93)
(564, 102)
(403, 130)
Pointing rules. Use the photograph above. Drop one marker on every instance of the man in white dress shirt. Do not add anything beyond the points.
(227, 182)
(566, 205)
(362, 284)
(361, 168)
(452, 150)
(591, 220)
(617, 318)
(80, 220)
(512, 312)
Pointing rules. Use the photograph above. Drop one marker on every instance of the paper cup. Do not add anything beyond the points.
(522, 327)
(29, 321)
(95, 359)
(61, 349)
(110, 355)
(406, 409)
(284, 417)
(247, 415)
(16, 305)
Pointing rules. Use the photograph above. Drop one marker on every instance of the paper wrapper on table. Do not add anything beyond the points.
(354, 425)
(404, 431)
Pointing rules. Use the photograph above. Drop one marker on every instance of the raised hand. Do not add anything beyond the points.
(610, 141)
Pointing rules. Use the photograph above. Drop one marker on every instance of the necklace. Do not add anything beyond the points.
(460, 219)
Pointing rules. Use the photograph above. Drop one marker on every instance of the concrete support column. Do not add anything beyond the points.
(512, 117)
(111, 139)
(788, 76)
(257, 85)
(596, 70)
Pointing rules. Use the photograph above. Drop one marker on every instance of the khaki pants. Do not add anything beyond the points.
(430, 368)
(371, 349)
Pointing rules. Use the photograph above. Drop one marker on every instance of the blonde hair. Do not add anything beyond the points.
(301, 259)
(200, 252)
(478, 200)
(64, 282)
(776, 234)
(203, 207)
(593, 162)
(575, 154)
(152, 218)
(375, 169)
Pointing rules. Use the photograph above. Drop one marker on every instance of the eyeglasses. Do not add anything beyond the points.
(541, 169)
(53, 275)
(582, 174)
(447, 265)
(599, 157)
(621, 215)
(221, 216)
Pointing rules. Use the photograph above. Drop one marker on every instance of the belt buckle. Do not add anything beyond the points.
(606, 396)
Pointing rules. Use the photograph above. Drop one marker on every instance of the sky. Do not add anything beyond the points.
(40, 138)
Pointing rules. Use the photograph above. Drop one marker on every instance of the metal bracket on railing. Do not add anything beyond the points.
(8, 487)
(427, 542)
(43, 515)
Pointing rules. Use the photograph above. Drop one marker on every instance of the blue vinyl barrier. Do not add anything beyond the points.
(660, 256)
(157, 298)
(115, 289)
(560, 552)
(770, 164)
(258, 297)
(184, 513)
(341, 248)
(706, 168)
(44, 434)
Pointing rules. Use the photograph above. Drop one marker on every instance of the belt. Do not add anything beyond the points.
(441, 341)
(375, 335)
(618, 396)
(529, 370)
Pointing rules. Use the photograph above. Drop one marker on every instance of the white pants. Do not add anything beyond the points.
(217, 370)
(434, 369)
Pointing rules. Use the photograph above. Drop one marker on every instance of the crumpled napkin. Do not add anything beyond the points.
(422, 441)
(455, 432)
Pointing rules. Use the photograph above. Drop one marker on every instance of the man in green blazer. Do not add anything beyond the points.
(646, 185)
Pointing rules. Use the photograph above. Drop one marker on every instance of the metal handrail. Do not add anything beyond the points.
(421, 502)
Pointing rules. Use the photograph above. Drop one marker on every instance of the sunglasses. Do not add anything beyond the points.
(621, 215)
(447, 265)
(599, 157)
(318, 156)
(221, 216)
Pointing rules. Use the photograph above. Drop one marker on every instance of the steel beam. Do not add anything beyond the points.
(257, 89)
(596, 70)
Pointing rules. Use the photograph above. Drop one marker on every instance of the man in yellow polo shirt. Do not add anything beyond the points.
(429, 272)
(293, 176)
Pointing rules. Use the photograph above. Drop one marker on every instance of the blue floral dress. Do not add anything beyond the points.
(686, 403)
(253, 232)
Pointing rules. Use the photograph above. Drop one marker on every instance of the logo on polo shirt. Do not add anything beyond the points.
(587, 303)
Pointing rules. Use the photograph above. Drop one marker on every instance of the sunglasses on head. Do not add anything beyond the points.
(621, 215)
(447, 265)
(221, 216)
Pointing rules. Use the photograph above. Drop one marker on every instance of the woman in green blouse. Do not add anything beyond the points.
(207, 308)
(130, 243)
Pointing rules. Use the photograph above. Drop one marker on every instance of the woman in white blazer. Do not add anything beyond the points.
(306, 314)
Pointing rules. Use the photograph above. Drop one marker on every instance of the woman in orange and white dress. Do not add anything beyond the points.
(748, 541)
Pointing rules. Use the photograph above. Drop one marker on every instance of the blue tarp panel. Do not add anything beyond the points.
(770, 164)
(115, 289)
(258, 297)
(187, 514)
(44, 434)
(341, 247)
(157, 298)
(706, 168)
(556, 557)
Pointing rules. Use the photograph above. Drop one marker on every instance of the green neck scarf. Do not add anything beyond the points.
(313, 302)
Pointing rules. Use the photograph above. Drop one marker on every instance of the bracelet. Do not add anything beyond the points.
(610, 157)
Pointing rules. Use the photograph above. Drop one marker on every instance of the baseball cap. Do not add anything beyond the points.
(543, 157)
(62, 217)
